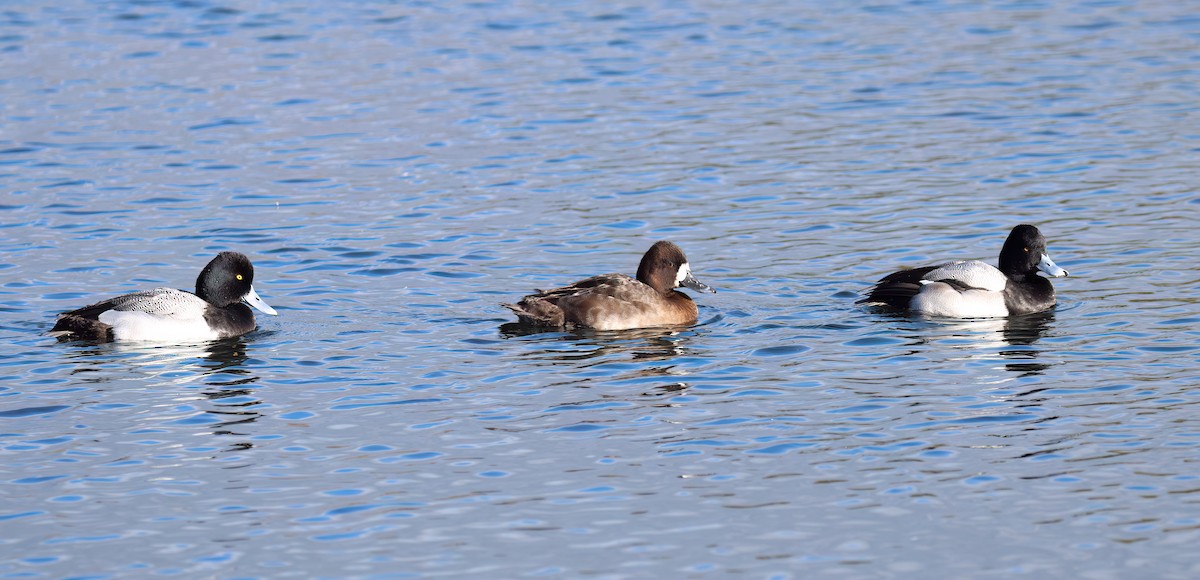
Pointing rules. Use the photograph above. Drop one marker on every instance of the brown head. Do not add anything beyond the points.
(664, 268)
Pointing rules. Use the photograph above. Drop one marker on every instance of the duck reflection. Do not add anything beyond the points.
(641, 344)
(648, 353)
(229, 386)
(1012, 337)
(1027, 329)
(216, 370)
(1022, 332)
(226, 354)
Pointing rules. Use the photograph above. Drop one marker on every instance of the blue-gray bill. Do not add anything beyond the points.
(1050, 268)
(691, 282)
(252, 298)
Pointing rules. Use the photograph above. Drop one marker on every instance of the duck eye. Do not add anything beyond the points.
(239, 276)
(1026, 251)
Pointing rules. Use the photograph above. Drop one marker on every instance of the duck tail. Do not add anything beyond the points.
(534, 312)
(73, 327)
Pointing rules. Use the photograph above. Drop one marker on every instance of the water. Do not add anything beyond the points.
(395, 170)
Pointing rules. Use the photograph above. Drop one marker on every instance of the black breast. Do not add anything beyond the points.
(1031, 294)
(233, 320)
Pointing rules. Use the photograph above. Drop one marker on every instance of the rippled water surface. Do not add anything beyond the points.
(396, 170)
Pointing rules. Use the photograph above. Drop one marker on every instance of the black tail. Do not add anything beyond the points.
(898, 288)
(73, 327)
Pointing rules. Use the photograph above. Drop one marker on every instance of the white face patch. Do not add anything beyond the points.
(684, 271)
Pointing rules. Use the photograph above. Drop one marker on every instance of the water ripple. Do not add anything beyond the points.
(397, 172)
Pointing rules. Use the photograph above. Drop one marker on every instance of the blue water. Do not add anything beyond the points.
(396, 170)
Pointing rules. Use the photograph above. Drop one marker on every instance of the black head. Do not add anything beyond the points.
(664, 267)
(227, 279)
(1024, 253)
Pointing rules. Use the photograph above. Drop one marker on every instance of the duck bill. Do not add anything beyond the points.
(252, 299)
(691, 282)
(1050, 268)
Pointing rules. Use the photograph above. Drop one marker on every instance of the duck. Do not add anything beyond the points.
(220, 308)
(617, 301)
(974, 289)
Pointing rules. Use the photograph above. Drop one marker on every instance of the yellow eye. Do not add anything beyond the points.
(239, 276)
(1026, 251)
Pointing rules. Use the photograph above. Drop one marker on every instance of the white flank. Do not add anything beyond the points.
(134, 325)
(940, 299)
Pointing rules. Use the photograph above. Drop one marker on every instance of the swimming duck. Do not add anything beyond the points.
(974, 289)
(618, 302)
(165, 314)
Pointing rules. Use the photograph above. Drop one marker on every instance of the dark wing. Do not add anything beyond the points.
(898, 288)
(543, 308)
(602, 283)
